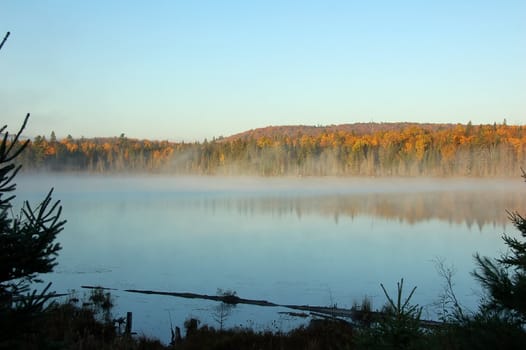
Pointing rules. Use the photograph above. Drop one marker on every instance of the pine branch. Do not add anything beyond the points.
(4, 40)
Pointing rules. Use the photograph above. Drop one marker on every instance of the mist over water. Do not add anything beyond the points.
(315, 241)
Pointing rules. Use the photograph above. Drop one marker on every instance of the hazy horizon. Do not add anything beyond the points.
(12, 130)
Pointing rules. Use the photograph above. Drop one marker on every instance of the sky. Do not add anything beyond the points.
(195, 69)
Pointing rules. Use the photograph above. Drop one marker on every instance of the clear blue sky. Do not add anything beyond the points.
(189, 70)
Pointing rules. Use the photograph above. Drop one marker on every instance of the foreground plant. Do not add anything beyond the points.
(504, 279)
(398, 327)
(27, 240)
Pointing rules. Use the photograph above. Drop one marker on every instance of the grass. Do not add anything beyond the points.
(89, 325)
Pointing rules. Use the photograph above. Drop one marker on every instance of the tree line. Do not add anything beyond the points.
(411, 150)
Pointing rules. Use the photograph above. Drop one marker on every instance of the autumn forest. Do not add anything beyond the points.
(362, 149)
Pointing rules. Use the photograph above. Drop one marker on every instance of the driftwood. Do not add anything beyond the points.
(318, 311)
(228, 299)
(97, 287)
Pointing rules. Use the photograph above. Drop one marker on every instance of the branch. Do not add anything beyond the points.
(4, 40)
(8, 157)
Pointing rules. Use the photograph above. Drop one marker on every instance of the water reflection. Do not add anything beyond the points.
(474, 209)
(473, 202)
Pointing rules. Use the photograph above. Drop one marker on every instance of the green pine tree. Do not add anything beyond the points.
(504, 279)
(27, 239)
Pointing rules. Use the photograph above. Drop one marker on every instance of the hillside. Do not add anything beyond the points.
(357, 129)
(361, 149)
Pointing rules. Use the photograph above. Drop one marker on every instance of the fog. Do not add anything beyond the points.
(470, 201)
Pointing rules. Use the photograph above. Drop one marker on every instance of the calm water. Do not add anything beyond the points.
(315, 241)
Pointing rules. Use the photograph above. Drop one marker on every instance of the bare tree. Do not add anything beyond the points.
(224, 309)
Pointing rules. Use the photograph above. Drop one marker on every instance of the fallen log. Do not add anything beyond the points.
(317, 311)
(228, 299)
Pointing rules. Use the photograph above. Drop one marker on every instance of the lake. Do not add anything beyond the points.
(315, 241)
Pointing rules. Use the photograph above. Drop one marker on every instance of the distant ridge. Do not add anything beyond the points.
(309, 130)
(360, 149)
